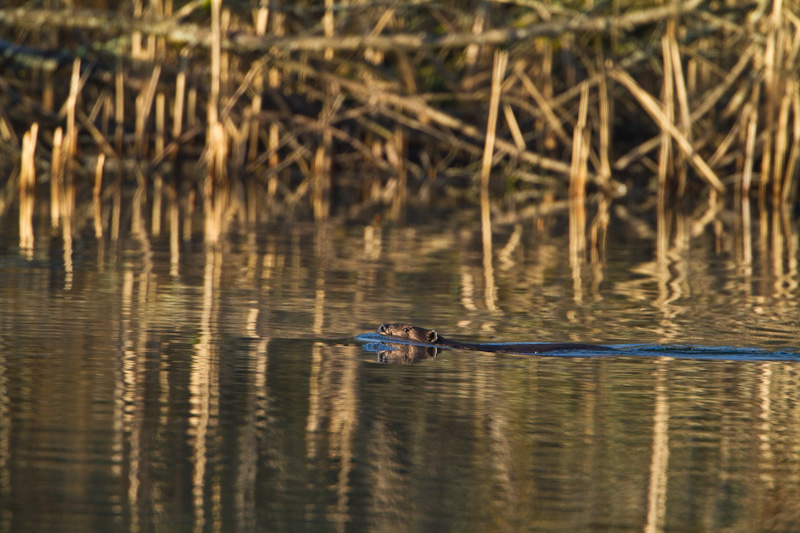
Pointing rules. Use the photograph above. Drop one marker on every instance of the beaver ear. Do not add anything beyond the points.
(433, 336)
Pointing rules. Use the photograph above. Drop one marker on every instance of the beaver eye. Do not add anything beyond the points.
(406, 329)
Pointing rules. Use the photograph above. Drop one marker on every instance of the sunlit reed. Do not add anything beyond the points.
(96, 200)
(56, 178)
(27, 191)
(71, 137)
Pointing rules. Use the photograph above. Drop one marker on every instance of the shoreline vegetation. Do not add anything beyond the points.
(266, 109)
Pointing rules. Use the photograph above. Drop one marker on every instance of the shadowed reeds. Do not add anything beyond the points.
(339, 108)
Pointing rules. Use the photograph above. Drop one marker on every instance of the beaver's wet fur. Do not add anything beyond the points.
(430, 336)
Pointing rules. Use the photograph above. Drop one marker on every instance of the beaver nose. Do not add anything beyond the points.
(382, 328)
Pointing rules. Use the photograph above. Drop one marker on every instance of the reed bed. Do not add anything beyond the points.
(326, 108)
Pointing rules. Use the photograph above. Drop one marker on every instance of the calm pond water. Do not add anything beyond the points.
(153, 382)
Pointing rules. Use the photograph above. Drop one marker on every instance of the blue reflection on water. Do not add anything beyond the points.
(375, 342)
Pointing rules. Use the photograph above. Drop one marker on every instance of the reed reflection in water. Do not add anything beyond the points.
(165, 382)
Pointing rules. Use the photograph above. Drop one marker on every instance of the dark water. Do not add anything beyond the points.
(150, 383)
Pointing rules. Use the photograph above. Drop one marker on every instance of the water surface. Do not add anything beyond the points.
(155, 383)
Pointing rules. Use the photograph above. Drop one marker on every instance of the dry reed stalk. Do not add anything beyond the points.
(253, 123)
(750, 143)
(400, 142)
(772, 94)
(652, 108)
(320, 199)
(513, 126)
(119, 109)
(580, 150)
(188, 214)
(136, 213)
(144, 103)
(95, 133)
(27, 175)
(27, 190)
(261, 17)
(328, 27)
(544, 104)
(499, 72)
(107, 111)
(781, 143)
(216, 51)
(708, 103)
(155, 222)
(216, 141)
(682, 97)
(371, 54)
(472, 52)
(71, 139)
(6, 131)
(794, 155)
(224, 57)
(96, 200)
(136, 37)
(605, 127)
(274, 80)
(191, 108)
(378, 99)
(598, 232)
(48, 98)
(545, 79)
(160, 136)
(180, 94)
(665, 158)
(116, 210)
(56, 178)
(174, 233)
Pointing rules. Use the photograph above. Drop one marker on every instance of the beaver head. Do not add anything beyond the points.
(412, 333)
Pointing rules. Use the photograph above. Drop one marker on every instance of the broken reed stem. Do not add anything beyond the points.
(56, 178)
(72, 100)
(96, 201)
(500, 62)
(27, 190)
(27, 175)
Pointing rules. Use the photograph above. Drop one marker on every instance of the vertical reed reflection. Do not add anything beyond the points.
(488, 266)
(67, 208)
(657, 491)
(5, 445)
(204, 394)
(766, 456)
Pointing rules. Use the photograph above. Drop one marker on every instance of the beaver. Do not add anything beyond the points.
(429, 336)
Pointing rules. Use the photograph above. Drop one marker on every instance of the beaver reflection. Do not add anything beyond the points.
(406, 354)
